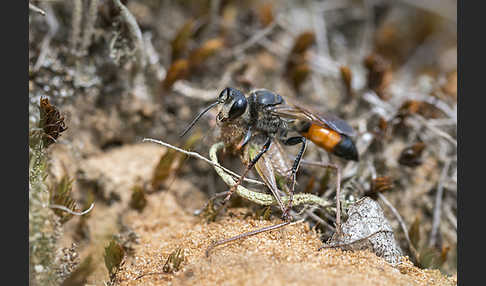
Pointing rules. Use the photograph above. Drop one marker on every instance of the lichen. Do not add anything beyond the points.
(44, 225)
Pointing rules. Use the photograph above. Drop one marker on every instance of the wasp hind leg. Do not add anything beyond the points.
(338, 190)
(294, 141)
(246, 234)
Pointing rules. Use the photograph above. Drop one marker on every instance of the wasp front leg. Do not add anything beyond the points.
(294, 141)
(245, 139)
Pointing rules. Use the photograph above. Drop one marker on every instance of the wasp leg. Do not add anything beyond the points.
(294, 141)
(246, 234)
(245, 139)
(338, 190)
(252, 163)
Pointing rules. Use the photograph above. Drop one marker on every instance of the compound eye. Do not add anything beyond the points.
(238, 108)
(223, 96)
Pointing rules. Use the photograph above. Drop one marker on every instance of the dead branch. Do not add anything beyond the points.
(198, 156)
(412, 249)
(438, 205)
(34, 8)
(63, 208)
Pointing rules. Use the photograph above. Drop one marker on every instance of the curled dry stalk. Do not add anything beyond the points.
(261, 198)
(196, 155)
(253, 196)
(229, 176)
(63, 208)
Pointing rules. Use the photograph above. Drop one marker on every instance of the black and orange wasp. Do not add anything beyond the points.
(265, 116)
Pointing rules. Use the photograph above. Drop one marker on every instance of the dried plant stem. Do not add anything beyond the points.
(436, 130)
(320, 30)
(134, 32)
(70, 211)
(319, 220)
(36, 9)
(248, 234)
(229, 176)
(369, 27)
(451, 218)
(89, 26)
(438, 205)
(186, 89)
(338, 189)
(413, 251)
(238, 50)
(153, 58)
(198, 156)
(76, 24)
(257, 197)
(53, 25)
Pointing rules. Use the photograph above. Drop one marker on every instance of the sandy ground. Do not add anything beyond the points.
(288, 256)
(282, 257)
(109, 105)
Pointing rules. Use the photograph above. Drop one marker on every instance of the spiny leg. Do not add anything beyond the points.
(246, 234)
(252, 163)
(338, 190)
(294, 141)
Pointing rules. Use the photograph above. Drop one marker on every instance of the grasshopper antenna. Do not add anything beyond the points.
(197, 118)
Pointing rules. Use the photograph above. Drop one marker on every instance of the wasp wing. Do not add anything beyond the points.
(327, 120)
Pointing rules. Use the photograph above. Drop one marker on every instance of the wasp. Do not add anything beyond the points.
(265, 115)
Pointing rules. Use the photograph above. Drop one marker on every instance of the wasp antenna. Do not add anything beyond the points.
(197, 118)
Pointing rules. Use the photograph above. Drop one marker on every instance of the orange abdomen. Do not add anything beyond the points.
(323, 137)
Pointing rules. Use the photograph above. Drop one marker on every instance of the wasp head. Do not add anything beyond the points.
(234, 104)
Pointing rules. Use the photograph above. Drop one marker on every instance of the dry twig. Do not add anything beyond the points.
(197, 155)
(53, 26)
(436, 130)
(36, 9)
(413, 251)
(438, 205)
(76, 24)
(89, 26)
(239, 49)
(257, 197)
(134, 32)
(63, 208)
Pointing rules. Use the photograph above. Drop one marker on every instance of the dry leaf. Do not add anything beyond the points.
(51, 122)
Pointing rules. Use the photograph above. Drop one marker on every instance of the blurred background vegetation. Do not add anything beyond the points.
(103, 74)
